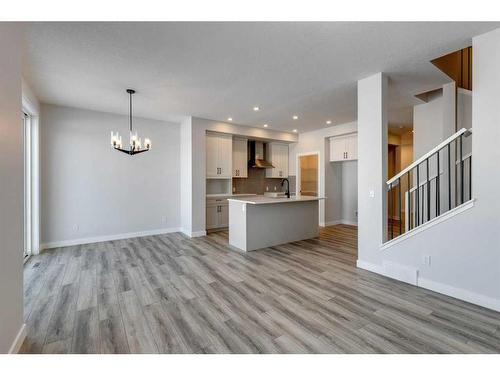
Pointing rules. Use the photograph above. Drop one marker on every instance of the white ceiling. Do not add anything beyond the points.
(217, 70)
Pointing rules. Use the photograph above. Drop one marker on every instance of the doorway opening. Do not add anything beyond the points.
(308, 175)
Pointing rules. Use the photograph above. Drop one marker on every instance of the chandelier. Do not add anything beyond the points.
(136, 146)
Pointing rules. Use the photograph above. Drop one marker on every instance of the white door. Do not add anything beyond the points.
(212, 146)
(223, 216)
(212, 216)
(352, 147)
(337, 148)
(284, 161)
(225, 153)
(240, 157)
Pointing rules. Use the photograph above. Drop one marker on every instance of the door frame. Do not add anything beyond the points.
(32, 111)
(297, 166)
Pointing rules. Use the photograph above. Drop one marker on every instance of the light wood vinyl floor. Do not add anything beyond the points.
(171, 294)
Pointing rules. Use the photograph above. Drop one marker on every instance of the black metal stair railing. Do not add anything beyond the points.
(434, 184)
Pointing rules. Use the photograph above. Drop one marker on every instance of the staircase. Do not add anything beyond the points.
(431, 186)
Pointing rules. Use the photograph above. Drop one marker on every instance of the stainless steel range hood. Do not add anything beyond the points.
(257, 156)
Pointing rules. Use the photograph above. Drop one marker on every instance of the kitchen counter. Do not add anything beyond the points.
(224, 195)
(259, 222)
(259, 199)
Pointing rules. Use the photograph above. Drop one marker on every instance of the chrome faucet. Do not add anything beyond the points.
(287, 191)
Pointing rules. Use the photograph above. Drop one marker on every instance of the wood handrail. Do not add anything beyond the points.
(427, 155)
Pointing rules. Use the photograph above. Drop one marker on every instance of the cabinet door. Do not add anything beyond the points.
(352, 147)
(338, 148)
(240, 158)
(284, 161)
(212, 217)
(223, 216)
(225, 152)
(212, 155)
(270, 150)
(278, 156)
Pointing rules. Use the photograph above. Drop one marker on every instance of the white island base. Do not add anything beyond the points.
(260, 222)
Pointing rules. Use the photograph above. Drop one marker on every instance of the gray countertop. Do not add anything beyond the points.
(268, 200)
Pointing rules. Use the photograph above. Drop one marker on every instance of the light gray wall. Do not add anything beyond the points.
(330, 181)
(90, 190)
(349, 192)
(11, 185)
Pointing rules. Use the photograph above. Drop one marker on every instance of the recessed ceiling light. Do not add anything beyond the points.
(295, 117)
(256, 109)
(295, 130)
(265, 125)
(328, 122)
(229, 119)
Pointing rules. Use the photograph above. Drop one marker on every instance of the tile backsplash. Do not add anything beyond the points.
(257, 182)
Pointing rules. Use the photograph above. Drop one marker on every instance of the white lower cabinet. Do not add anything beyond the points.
(217, 213)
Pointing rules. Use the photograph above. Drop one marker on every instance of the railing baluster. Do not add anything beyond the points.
(449, 178)
(409, 202)
(417, 199)
(461, 173)
(470, 177)
(428, 191)
(399, 207)
(390, 211)
(438, 188)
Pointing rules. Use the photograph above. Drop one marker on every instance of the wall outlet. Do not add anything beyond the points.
(371, 194)
(426, 260)
(76, 227)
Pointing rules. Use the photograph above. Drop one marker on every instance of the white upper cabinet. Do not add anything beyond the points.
(219, 152)
(240, 157)
(277, 155)
(344, 147)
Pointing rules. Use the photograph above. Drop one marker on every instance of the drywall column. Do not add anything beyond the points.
(372, 169)
(186, 176)
(11, 189)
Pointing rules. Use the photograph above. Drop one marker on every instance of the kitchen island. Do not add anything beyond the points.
(259, 222)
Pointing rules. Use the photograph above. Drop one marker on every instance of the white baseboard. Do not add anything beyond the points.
(190, 234)
(337, 222)
(18, 341)
(121, 236)
(370, 267)
(462, 294)
(448, 290)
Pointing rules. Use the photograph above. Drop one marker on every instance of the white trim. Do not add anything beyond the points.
(430, 153)
(423, 227)
(461, 294)
(337, 222)
(448, 290)
(190, 234)
(121, 236)
(372, 267)
(18, 341)
(320, 180)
